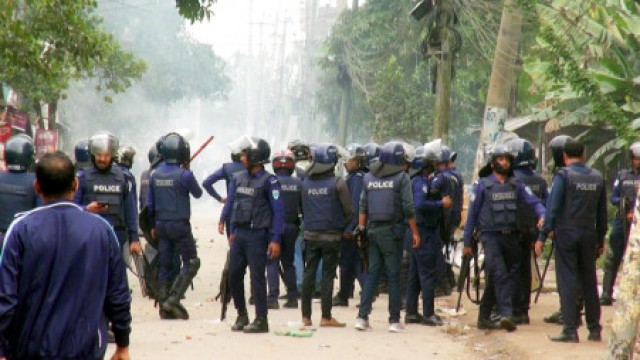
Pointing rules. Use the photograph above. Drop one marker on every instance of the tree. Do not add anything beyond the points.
(195, 10)
(46, 44)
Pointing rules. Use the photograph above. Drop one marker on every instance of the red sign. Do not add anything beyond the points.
(5, 134)
(46, 142)
(18, 119)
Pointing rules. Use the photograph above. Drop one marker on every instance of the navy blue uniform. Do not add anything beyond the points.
(494, 212)
(577, 214)
(61, 279)
(457, 198)
(349, 262)
(226, 173)
(529, 233)
(254, 205)
(625, 187)
(292, 202)
(427, 199)
(17, 194)
(111, 187)
(170, 210)
(144, 188)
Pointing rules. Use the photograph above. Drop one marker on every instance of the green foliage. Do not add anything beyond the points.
(587, 62)
(195, 10)
(47, 43)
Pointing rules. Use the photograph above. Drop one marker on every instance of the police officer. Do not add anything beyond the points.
(17, 193)
(385, 205)
(456, 208)
(371, 154)
(578, 218)
(226, 172)
(257, 225)
(445, 279)
(124, 159)
(104, 190)
(301, 151)
(327, 207)
(430, 197)
(170, 210)
(523, 169)
(623, 197)
(349, 262)
(81, 153)
(154, 160)
(283, 166)
(494, 211)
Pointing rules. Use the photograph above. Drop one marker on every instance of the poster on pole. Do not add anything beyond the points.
(46, 142)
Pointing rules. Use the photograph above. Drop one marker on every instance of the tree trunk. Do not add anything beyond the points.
(37, 108)
(345, 110)
(502, 78)
(51, 115)
(355, 5)
(443, 76)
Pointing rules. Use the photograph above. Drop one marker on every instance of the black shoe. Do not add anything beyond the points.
(495, 317)
(507, 323)
(252, 301)
(241, 322)
(486, 324)
(258, 326)
(521, 319)
(605, 300)
(595, 336)
(338, 301)
(433, 320)
(272, 304)
(173, 307)
(291, 304)
(566, 338)
(555, 318)
(413, 319)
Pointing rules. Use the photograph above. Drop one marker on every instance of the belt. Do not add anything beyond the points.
(375, 224)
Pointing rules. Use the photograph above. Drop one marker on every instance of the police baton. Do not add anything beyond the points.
(544, 274)
(204, 145)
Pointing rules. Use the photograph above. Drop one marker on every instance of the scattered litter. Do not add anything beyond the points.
(294, 333)
(456, 329)
(479, 347)
(188, 337)
(324, 346)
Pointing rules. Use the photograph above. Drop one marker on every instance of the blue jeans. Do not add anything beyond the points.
(385, 253)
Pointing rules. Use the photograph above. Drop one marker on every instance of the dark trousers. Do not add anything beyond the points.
(617, 246)
(327, 251)
(422, 272)
(174, 236)
(502, 258)
(522, 294)
(385, 254)
(287, 250)
(350, 268)
(249, 248)
(575, 255)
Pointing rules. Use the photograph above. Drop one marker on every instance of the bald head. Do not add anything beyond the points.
(55, 176)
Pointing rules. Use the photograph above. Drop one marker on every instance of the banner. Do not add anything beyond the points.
(19, 120)
(46, 141)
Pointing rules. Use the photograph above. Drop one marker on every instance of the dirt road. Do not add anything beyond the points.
(204, 336)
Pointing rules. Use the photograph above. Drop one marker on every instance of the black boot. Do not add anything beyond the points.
(241, 322)
(272, 304)
(338, 301)
(486, 324)
(433, 320)
(413, 319)
(258, 326)
(607, 286)
(162, 293)
(291, 304)
(172, 305)
(507, 323)
(555, 318)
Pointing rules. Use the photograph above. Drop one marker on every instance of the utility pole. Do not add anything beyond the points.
(444, 59)
(503, 77)
(250, 88)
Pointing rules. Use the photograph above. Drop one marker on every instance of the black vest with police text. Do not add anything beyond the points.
(535, 182)
(251, 207)
(107, 188)
(321, 206)
(384, 201)
(629, 182)
(499, 211)
(169, 203)
(291, 198)
(581, 195)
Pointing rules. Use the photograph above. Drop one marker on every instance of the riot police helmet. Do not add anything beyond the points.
(125, 157)
(324, 157)
(300, 149)
(397, 153)
(81, 151)
(557, 149)
(445, 154)
(525, 153)
(256, 149)
(153, 153)
(19, 153)
(103, 142)
(175, 149)
(283, 160)
(371, 153)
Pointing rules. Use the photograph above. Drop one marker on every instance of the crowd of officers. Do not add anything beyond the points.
(390, 220)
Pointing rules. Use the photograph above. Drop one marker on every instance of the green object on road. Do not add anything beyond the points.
(294, 333)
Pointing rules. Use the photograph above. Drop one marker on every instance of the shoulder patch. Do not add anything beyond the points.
(528, 190)
(275, 194)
